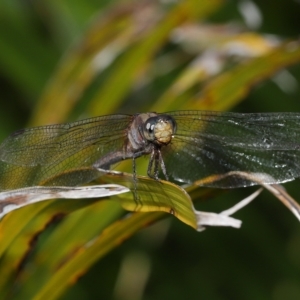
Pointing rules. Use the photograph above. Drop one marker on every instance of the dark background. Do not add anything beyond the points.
(167, 260)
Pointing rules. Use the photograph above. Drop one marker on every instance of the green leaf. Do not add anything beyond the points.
(231, 87)
(128, 53)
(64, 247)
(68, 271)
(150, 195)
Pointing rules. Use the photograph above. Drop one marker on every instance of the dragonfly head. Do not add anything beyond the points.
(159, 129)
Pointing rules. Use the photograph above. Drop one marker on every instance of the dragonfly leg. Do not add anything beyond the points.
(155, 162)
(135, 193)
(150, 165)
(163, 166)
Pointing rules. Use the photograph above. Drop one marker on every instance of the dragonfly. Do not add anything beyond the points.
(182, 146)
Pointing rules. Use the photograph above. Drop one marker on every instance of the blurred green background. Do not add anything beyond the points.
(167, 260)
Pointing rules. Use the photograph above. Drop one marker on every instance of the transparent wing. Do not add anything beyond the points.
(215, 143)
(30, 156)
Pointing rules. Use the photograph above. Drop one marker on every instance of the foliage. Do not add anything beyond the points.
(63, 60)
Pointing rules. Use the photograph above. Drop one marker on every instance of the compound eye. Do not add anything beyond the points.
(149, 128)
(160, 129)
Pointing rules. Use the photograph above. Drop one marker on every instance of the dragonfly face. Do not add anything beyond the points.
(185, 146)
(159, 129)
